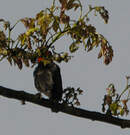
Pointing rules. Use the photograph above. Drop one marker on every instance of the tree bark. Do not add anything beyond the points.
(24, 96)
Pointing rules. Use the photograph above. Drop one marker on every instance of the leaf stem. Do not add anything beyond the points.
(59, 34)
(127, 87)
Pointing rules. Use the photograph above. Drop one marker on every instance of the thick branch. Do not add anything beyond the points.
(24, 96)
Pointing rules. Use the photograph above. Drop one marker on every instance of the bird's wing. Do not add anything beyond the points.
(57, 86)
(44, 82)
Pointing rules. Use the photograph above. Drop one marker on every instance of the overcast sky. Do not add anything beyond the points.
(84, 71)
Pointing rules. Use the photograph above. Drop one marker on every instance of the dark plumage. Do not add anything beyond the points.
(48, 80)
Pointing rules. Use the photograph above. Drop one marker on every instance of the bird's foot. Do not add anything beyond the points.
(55, 107)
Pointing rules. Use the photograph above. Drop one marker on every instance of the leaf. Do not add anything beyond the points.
(6, 25)
(113, 108)
(95, 40)
(39, 15)
(31, 31)
(108, 99)
(9, 60)
(3, 51)
(88, 42)
(55, 26)
(29, 43)
(100, 54)
(121, 110)
(76, 6)
(90, 48)
(71, 5)
(58, 58)
(25, 22)
(31, 23)
(73, 47)
(64, 19)
(18, 61)
(26, 62)
(2, 36)
(77, 103)
(38, 51)
(23, 38)
(80, 91)
(44, 20)
(63, 4)
(89, 45)
(103, 13)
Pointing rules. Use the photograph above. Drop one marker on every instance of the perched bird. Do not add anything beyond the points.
(47, 80)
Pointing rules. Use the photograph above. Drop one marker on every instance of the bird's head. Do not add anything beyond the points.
(40, 59)
(44, 61)
(45, 58)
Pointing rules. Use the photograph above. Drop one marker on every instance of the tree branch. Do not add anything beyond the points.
(24, 96)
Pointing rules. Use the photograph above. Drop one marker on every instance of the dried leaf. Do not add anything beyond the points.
(10, 60)
(18, 61)
(100, 54)
(55, 26)
(26, 62)
(2, 36)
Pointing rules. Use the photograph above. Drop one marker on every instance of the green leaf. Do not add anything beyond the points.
(114, 107)
(73, 47)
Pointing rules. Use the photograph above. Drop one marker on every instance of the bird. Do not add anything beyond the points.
(47, 80)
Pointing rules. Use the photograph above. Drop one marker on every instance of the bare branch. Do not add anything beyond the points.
(92, 115)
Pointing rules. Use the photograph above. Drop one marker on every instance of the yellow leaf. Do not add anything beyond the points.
(46, 62)
(38, 51)
(121, 110)
(39, 15)
(3, 51)
(52, 8)
(114, 108)
(23, 39)
(31, 31)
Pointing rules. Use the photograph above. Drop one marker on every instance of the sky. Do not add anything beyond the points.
(84, 71)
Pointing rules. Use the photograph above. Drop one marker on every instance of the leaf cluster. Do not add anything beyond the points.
(70, 96)
(49, 26)
(114, 103)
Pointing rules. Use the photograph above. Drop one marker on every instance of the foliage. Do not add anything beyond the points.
(70, 96)
(48, 26)
(40, 37)
(116, 104)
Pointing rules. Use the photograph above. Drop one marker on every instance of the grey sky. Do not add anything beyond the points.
(84, 71)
